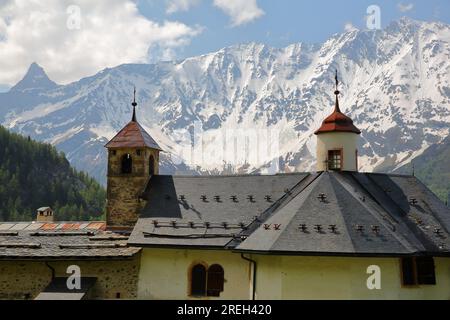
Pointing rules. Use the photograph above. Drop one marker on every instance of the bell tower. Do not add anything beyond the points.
(337, 141)
(133, 157)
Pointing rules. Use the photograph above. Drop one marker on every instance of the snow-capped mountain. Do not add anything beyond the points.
(249, 104)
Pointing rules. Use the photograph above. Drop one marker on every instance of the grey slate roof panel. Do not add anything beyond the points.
(414, 198)
(367, 220)
(62, 244)
(340, 209)
(172, 198)
(348, 205)
(395, 192)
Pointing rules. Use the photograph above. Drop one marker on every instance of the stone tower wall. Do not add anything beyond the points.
(124, 190)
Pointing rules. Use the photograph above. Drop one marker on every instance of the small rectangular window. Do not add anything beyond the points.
(113, 152)
(138, 152)
(418, 270)
(334, 160)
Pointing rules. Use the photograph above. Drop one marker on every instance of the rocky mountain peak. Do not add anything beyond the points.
(35, 79)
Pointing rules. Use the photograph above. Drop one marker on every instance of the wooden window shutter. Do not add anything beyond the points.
(408, 271)
(198, 280)
(425, 270)
(215, 280)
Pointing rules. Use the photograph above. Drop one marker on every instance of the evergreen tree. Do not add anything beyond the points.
(34, 174)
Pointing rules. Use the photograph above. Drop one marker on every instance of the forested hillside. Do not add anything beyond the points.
(34, 174)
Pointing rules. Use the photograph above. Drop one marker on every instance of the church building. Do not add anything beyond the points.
(331, 234)
(335, 233)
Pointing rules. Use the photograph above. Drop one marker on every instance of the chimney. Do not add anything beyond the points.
(44, 214)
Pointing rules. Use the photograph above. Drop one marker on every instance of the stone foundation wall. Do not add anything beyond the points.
(26, 279)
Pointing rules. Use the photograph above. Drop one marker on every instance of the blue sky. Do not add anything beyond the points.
(288, 21)
(72, 39)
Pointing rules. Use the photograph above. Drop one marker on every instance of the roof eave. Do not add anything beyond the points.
(342, 254)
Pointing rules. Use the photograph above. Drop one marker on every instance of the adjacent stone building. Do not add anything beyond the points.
(34, 256)
(332, 234)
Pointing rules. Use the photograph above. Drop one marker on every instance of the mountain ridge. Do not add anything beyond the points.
(394, 85)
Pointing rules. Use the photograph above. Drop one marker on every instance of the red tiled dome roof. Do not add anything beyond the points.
(133, 135)
(337, 121)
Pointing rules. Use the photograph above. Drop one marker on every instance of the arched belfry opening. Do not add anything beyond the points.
(151, 164)
(127, 164)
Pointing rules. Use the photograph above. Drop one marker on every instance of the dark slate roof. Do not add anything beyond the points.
(360, 214)
(132, 136)
(70, 240)
(176, 213)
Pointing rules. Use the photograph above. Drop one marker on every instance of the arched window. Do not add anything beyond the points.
(151, 169)
(215, 280)
(198, 280)
(207, 282)
(127, 163)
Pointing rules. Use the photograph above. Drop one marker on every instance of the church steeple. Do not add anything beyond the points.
(337, 121)
(133, 158)
(337, 140)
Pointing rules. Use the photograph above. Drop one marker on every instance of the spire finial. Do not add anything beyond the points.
(337, 92)
(134, 104)
(337, 82)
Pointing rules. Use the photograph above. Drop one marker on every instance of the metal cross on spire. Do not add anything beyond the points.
(134, 104)
(337, 83)
(336, 92)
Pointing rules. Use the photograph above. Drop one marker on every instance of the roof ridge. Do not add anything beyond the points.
(132, 135)
(279, 204)
(420, 236)
(402, 240)
(236, 175)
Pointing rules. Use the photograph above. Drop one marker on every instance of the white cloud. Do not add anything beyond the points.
(240, 11)
(180, 5)
(405, 7)
(108, 33)
(349, 27)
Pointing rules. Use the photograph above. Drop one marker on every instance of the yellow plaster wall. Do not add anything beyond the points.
(283, 277)
(347, 141)
(164, 273)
